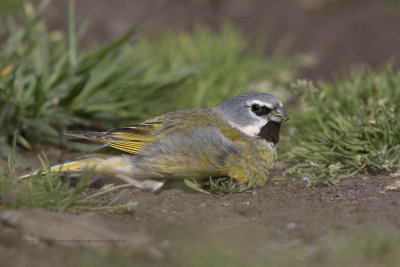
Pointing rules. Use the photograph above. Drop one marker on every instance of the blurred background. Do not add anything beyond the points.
(337, 32)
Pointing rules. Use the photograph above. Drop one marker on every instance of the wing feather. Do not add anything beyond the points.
(136, 138)
(132, 139)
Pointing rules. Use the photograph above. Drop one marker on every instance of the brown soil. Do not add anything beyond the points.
(281, 211)
(282, 216)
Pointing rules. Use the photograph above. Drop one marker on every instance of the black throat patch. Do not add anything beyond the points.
(270, 131)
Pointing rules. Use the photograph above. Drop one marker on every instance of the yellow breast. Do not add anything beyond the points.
(255, 166)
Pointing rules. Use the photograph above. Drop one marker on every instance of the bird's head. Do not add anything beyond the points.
(255, 114)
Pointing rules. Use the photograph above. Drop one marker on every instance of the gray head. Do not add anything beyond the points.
(255, 114)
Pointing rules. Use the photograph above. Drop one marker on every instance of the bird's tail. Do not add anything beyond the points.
(115, 166)
(73, 166)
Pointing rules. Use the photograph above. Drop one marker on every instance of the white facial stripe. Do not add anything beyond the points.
(251, 130)
(252, 102)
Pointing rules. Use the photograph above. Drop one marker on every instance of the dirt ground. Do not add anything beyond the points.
(285, 221)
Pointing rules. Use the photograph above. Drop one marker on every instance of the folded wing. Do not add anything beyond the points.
(132, 139)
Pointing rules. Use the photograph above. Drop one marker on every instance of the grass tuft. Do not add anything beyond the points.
(49, 191)
(347, 127)
(219, 185)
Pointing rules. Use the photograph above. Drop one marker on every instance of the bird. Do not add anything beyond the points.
(238, 139)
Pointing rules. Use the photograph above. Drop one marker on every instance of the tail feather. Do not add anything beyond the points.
(96, 164)
(92, 136)
(116, 166)
(77, 165)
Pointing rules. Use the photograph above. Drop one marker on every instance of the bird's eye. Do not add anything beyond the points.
(255, 108)
(260, 110)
